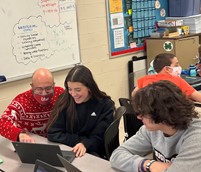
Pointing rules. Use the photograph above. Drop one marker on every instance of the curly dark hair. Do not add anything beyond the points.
(165, 103)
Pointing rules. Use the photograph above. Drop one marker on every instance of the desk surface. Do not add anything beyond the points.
(12, 163)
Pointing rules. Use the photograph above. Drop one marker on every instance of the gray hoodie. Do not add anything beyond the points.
(182, 150)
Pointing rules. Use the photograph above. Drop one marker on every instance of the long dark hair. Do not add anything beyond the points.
(82, 75)
(165, 103)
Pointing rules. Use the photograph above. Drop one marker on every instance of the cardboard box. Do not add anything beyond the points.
(184, 48)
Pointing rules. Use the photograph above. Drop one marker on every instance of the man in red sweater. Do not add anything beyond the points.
(167, 67)
(30, 110)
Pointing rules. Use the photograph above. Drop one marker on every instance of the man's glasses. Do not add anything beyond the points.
(39, 90)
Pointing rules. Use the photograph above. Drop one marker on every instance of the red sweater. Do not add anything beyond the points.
(25, 113)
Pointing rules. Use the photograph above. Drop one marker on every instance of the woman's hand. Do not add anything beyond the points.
(79, 149)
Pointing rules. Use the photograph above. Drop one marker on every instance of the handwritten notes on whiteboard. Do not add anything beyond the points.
(39, 33)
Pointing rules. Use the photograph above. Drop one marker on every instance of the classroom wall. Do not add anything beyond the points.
(110, 74)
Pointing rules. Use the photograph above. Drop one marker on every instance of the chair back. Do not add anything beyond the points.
(111, 137)
(131, 123)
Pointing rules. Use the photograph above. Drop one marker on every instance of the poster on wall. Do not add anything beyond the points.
(130, 22)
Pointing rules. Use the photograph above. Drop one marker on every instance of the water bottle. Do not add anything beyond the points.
(192, 70)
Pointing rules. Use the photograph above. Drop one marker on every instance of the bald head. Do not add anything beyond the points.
(42, 78)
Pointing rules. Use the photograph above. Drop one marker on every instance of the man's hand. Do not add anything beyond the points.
(23, 137)
(79, 149)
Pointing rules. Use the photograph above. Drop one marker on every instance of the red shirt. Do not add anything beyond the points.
(25, 113)
(181, 83)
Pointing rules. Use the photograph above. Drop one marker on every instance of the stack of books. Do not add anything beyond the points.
(194, 22)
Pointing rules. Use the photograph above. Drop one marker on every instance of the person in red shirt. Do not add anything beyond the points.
(167, 67)
(30, 110)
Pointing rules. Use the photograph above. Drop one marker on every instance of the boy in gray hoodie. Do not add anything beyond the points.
(171, 130)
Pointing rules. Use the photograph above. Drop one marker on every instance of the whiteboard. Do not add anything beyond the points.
(37, 33)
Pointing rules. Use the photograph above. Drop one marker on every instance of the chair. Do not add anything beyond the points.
(131, 123)
(111, 136)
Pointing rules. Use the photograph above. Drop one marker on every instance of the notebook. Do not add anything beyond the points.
(30, 152)
(41, 166)
(68, 166)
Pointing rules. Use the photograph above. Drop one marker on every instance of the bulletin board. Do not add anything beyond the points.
(37, 33)
(130, 22)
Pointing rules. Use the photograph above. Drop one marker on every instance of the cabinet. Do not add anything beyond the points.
(185, 49)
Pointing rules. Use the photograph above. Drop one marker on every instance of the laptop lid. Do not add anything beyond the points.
(41, 166)
(30, 152)
(68, 166)
(192, 79)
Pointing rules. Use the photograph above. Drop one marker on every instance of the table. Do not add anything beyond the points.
(12, 163)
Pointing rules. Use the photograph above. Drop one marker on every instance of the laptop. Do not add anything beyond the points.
(30, 152)
(68, 166)
(41, 166)
(192, 80)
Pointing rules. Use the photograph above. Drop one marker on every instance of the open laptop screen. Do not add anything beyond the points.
(30, 152)
(41, 166)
